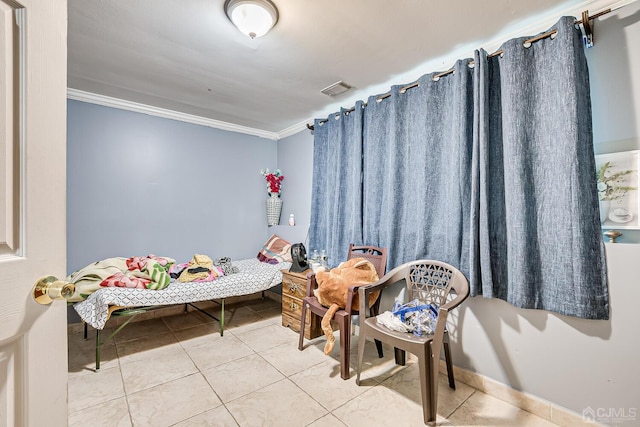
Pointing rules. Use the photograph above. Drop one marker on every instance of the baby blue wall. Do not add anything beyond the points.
(295, 160)
(139, 184)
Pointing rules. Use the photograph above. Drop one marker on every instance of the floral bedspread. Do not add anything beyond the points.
(253, 276)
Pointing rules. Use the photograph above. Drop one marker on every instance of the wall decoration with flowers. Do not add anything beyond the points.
(618, 183)
(274, 202)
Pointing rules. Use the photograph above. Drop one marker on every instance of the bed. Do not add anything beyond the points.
(253, 276)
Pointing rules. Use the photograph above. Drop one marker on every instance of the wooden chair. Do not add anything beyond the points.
(378, 257)
(431, 282)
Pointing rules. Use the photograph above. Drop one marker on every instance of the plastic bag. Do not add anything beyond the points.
(392, 322)
(414, 316)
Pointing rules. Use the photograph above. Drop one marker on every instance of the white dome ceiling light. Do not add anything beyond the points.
(252, 17)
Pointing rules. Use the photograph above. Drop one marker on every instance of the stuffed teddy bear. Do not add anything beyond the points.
(333, 288)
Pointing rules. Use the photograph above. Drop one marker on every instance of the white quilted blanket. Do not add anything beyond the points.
(253, 276)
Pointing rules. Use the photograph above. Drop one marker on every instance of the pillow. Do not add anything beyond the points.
(276, 250)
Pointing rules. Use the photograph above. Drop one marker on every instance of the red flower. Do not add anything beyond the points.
(274, 180)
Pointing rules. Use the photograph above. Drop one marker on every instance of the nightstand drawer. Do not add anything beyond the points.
(291, 306)
(294, 287)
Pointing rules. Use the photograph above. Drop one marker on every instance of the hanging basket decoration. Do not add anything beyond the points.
(274, 209)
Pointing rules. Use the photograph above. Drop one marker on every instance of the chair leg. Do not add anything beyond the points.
(447, 358)
(303, 318)
(428, 384)
(400, 355)
(379, 348)
(361, 342)
(344, 323)
(374, 312)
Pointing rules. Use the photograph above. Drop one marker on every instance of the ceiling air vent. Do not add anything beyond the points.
(338, 88)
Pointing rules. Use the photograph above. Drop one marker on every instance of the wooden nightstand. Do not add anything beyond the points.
(294, 288)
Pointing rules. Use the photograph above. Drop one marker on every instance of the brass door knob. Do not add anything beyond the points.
(49, 288)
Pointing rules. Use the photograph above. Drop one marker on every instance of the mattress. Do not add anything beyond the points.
(253, 276)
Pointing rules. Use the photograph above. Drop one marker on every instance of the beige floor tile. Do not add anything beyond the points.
(240, 377)
(113, 413)
(146, 328)
(236, 316)
(267, 337)
(246, 320)
(273, 313)
(172, 402)
(407, 383)
(330, 391)
(382, 406)
(276, 320)
(215, 350)
(86, 391)
(82, 357)
(218, 417)
(327, 421)
(162, 366)
(319, 343)
(289, 360)
(482, 409)
(517, 398)
(195, 334)
(77, 339)
(258, 323)
(171, 366)
(146, 347)
(375, 368)
(276, 405)
(263, 306)
(181, 321)
(449, 400)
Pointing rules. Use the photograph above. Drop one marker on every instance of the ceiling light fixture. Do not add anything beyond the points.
(252, 17)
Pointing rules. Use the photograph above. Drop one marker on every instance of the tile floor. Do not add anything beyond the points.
(178, 371)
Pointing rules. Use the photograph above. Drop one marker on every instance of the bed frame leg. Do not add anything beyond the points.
(113, 334)
(85, 334)
(222, 318)
(186, 308)
(98, 346)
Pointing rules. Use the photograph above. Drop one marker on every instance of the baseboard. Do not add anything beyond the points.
(525, 401)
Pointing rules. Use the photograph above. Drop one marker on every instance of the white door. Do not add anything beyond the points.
(33, 340)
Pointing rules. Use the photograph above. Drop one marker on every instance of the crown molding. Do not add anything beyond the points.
(292, 130)
(107, 101)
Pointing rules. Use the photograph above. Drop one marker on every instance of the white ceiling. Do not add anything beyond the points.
(186, 56)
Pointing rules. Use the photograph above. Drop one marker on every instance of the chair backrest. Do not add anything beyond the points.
(431, 281)
(375, 255)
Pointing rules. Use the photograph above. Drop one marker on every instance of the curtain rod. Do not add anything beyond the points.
(585, 22)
